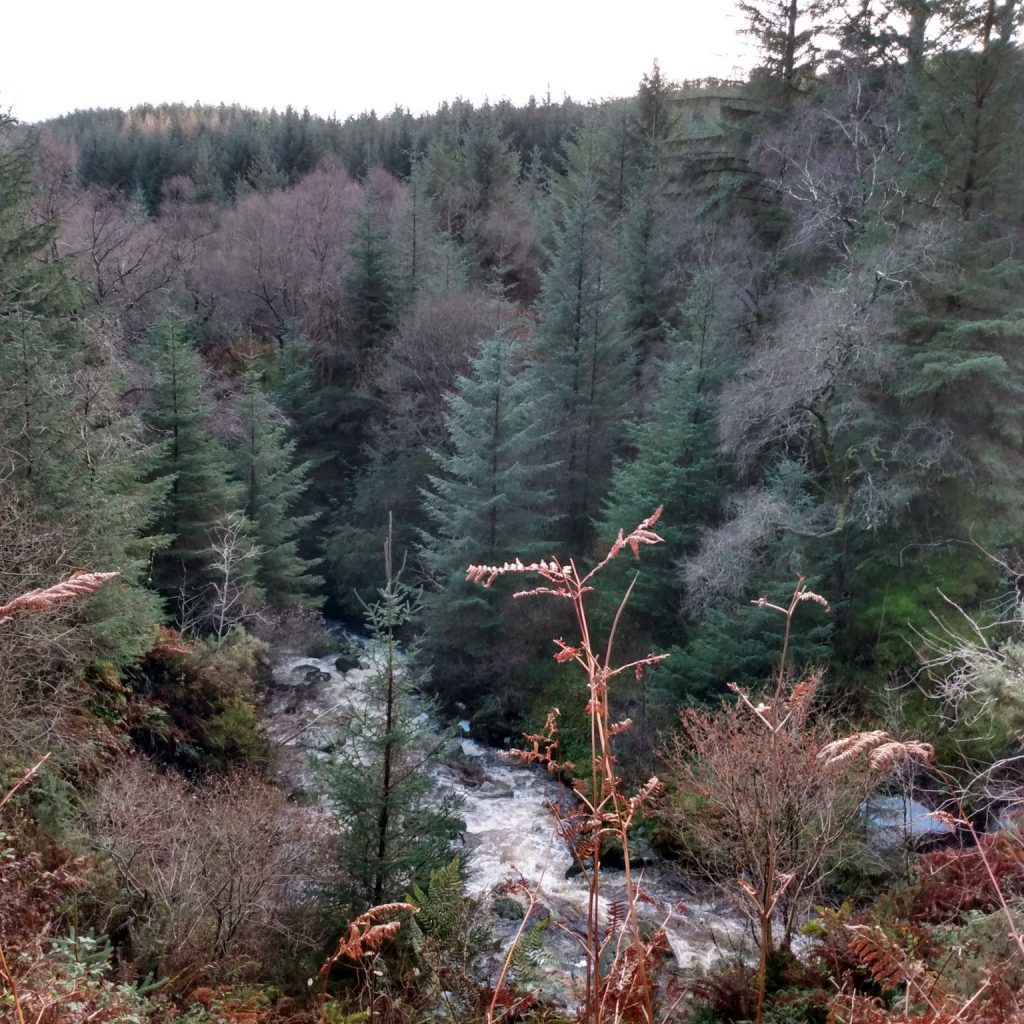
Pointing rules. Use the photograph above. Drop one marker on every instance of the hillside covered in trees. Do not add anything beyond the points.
(240, 348)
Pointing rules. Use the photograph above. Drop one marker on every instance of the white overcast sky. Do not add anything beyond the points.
(344, 57)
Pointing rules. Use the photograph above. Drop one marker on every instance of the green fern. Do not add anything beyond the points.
(442, 907)
(529, 961)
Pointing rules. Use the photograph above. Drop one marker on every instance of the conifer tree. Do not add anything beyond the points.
(780, 28)
(676, 464)
(430, 261)
(371, 290)
(274, 485)
(396, 830)
(486, 500)
(200, 492)
(68, 455)
(581, 369)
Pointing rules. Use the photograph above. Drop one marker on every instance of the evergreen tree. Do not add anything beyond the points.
(68, 454)
(486, 503)
(274, 486)
(396, 829)
(581, 369)
(371, 290)
(676, 465)
(786, 43)
(431, 262)
(200, 493)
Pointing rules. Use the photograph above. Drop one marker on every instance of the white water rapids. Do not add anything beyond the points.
(509, 829)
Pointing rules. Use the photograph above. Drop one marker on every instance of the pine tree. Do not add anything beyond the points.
(396, 829)
(200, 493)
(485, 502)
(274, 486)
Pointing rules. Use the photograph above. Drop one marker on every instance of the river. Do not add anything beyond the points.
(508, 824)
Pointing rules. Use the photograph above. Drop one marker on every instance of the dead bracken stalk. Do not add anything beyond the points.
(361, 941)
(619, 983)
(79, 584)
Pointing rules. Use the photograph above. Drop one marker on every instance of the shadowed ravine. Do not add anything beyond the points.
(508, 826)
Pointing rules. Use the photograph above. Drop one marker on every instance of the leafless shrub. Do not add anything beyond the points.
(216, 877)
(432, 346)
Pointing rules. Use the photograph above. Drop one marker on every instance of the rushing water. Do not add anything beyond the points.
(509, 829)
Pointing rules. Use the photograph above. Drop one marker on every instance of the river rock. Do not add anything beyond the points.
(346, 662)
(495, 791)
(470, 773)
(508, 909)
(311, 674)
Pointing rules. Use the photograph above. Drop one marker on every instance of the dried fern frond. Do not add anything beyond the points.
(885, 752)
(79, 584)
(802, 695)
(894, 753)
(366, 935)
(646, 791)
(849, 747)
(892, 967)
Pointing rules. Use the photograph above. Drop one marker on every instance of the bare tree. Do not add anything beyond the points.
(233, 566)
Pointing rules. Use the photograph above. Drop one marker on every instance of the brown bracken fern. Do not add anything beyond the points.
(619, 984)
(79, 584)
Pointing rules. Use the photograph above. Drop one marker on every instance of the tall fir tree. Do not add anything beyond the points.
(677, 465)
(371, 290)
(581, 370)
(486, 501)
(274, 485)
(201, 492)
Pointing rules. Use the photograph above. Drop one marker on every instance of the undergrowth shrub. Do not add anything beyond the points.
(216, 881)
(192, 704)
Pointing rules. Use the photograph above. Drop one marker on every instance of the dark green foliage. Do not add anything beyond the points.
(448, 936)
(371, 290)
(195, 462)
(740, 645)
(274, 486)
(69, 452)
(581, 368)
(395, 828)
(894, 602)
(675, 465)
(487, 503)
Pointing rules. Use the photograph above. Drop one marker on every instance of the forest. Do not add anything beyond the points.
(666, 443)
